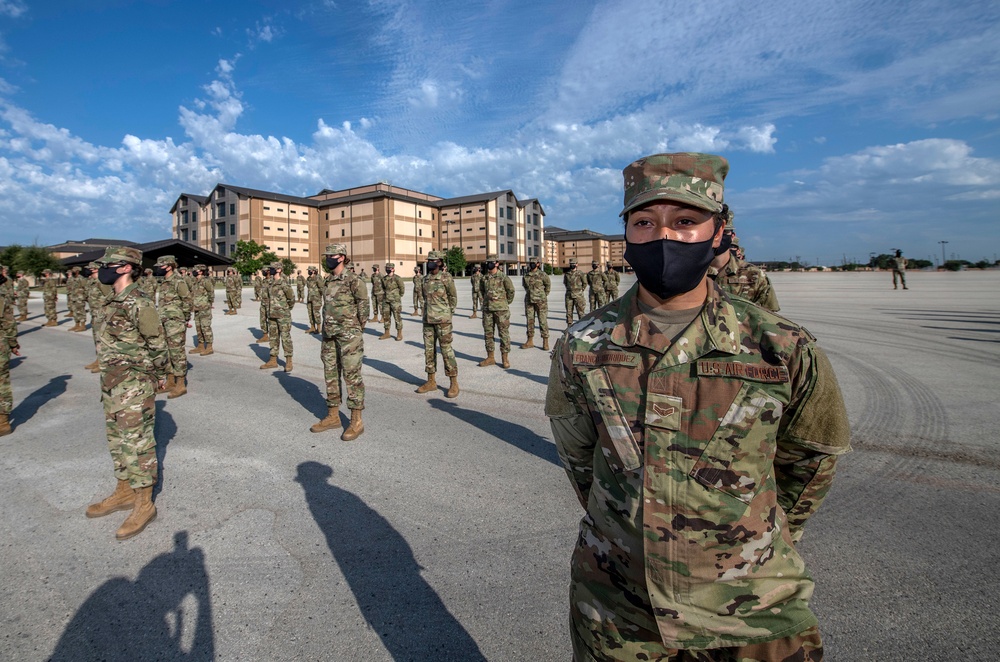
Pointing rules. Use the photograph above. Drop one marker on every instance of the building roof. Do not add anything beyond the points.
(577, 235)
(278, 197)
(187, 254)
(200, 199)
(83, 245)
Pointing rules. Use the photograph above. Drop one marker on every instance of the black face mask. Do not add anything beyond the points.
(572, 267)
(727, 241)
(3, 279)
(108, 275)
(433, 266)
(666, 267)
(490, 266)
(159, 272)
(272, 272)
(333, 262)
(85, 272)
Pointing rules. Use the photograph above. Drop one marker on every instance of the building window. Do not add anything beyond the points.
(267, 209)
(232, 247)
(482, 245)
(293, 230)
(295, 250)
(342, 213)
(421, 250)
(468, 211)
(222, 209)
(510, 230)
(281, 248)
(499, 212)
(536, 235)
(501, 230)
(305, 250)
(327, 234)
(420, 214)
(184, 235)
(483, 227)
(432, 234)
(420, 232)
(232, 209)
(468, 248)
(280, 209)
(220, 249)
(194, 217)
(194, 235)
(501, 249)
(267, 227)
(184, 216)
(294, 212)
(305, 232)
(510, 247)
(432, 216)
(220, 229)
(342, 231)
(328, 216)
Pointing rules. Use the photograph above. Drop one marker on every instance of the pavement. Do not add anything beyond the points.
(444, 532)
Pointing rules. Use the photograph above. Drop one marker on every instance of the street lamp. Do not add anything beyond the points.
(943, 259)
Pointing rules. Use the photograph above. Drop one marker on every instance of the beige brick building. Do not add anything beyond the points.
(586, 246)
(379, 223)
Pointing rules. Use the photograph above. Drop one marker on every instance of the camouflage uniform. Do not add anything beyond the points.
(203, 295)
(281, 300)
(595, 279)
(612, 280)
(476, 279)
(418, 290)
(22, 290)
(440, 300)
(76, 293)
(233, 285)
(148, 284)
(575, 283)
(50, 292)
(264, 296)
(898, 270)
(8, 344)
(97, 294)
(258, 281)
(393, 290)
(378, 293)
(537, 286)
(345, 313)
(300, 287)
(498, 292)
(314, 301)
(746, 280)
(174, 304)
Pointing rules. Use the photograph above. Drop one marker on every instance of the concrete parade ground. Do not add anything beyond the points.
(444, 532)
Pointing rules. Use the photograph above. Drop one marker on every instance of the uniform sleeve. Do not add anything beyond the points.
(452, 296)
(572, 427)
(290, 296)
(508, 286)
(547, 283)
(151, 329)
(361, 301)
(765, 296)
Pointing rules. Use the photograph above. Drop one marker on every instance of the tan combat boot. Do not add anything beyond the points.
(545, 344)
(504, 359)
(331, 422)
(122, 498)
(51, 323)
(197, 349)
(373, 319)
(207, 350)
(452, 388)
(265, 338)
(415, 312)
(97, 368)
(169, 385)
(356, 427)
(288, 364)
(311, 329)
(143, 513)
(23, 317)
(429, 385)
(399, 334)
(4, 425)
(179, 389)
(271, 363)
(93, 364)
(529, 344)
(489, 360)
(385, 336)
(473, 315)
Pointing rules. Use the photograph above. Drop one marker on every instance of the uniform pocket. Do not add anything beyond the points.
(623, 443)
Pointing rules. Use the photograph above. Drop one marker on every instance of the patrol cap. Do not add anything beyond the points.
(492, 258)
(275, 265)
(116, 254)
(572, 261)
(93, 265)
(735, 241)
(435, 255)
(148, 271)
(21, 273)
(729, 220)
(75, 270)
(335, 249)
(199, 267)
(690, 178)
(390, 265)
(47, 272)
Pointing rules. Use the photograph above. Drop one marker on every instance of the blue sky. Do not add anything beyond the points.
(850, 127)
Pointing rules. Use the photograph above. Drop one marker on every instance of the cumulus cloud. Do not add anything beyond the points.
(12, 8)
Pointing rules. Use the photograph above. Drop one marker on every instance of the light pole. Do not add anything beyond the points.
(943, 259)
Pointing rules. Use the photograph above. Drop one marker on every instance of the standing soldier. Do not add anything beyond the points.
(76, 297)
(314, 301)
(203, 295)
(612, 279)
(497, 292)
(133, 358)
(50, 291)
(258, 281)
(440, 299)
(8, 346)
(898, 270)
(300, 286)
(264, 296)
(393, 290)
(281, 299)
(97, 294)
(418, 290)
(22, 290)
(476, 279)
(537, 286)
(233, 284)
(377, 293)
(595, 279)
(575, 284)
(174, 303)
(345, 313)
(741, 278)
(149, 284)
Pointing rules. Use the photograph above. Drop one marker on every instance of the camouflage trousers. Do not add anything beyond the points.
(476, 300)
(300, 292)
(597, 299)
(315, 309)
(203, 326)
(393, 309)
(263, 317)
(417, 300)
(377, 304)
(129, 415)
(232, 299)
(50, 307)
(95, 326)
(574, 301)
(79, 310)
(22, 304)
(239, 297)
(542, 311)
(434, 335)
(6, 394)
(176, 332)
(499, 319)
(610, 295)
(898, 274)
(603, 641)
(280, 332)
(341, 354)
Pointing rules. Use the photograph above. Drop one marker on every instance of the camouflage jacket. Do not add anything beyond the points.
(595, 278)
(574, 281)
(174, 300)
(22, 288)
(257, 283)
(698, 463)
(476, 279)
(393, 287)
(612, 279)
(149, 285)
(897, 263)
(50, 286)
(8, 325)
(746, 280)
(314, 289)
(281, 298)
(203, 294)
(131, 339)
(97, 295)
(418, 286)
(440, 298)
(264, 295)
(537, 286)
(300, 281)
(345, 303)
(234, 282)
(497, 291)
(377, 287)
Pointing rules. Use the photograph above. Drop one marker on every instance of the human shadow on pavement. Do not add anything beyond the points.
(378, 564)
(15, 361)
(27, 331)
(527, 375)
(27, 408)
(458, 354)
(304, 392)
(165, 614)
(393, 370)
(508, 431)
(164, 430)
(262, 350)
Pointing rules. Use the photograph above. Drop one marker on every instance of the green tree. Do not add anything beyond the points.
(249, 257)
(31, 260)
(454, 259)
(288, 267)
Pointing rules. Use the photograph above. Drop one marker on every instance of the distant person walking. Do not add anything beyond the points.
(898, 264)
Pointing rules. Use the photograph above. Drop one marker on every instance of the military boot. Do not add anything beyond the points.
(96, 369)
(271, 363)
(355, 429)
(545, 344)
(373, 319)
(90, 366)
(198, 349)
(288, 364)
(452, 388)
(399, 334)
(429, 385)
(386, 335)
(51, 323)
(23, 317)
(4, 425)
(489, 360)
(473, 315)
(504, 359)
(143, 513)
(207, 350)
(265, 338)
(311, 329)
(168, 385)
(331, 422)
(123, 498)
(529, 344)
(415, 312)
(179, 389)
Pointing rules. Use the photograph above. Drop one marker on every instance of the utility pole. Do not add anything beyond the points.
(943, 258)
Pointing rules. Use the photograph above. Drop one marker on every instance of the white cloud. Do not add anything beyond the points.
(12, 8)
